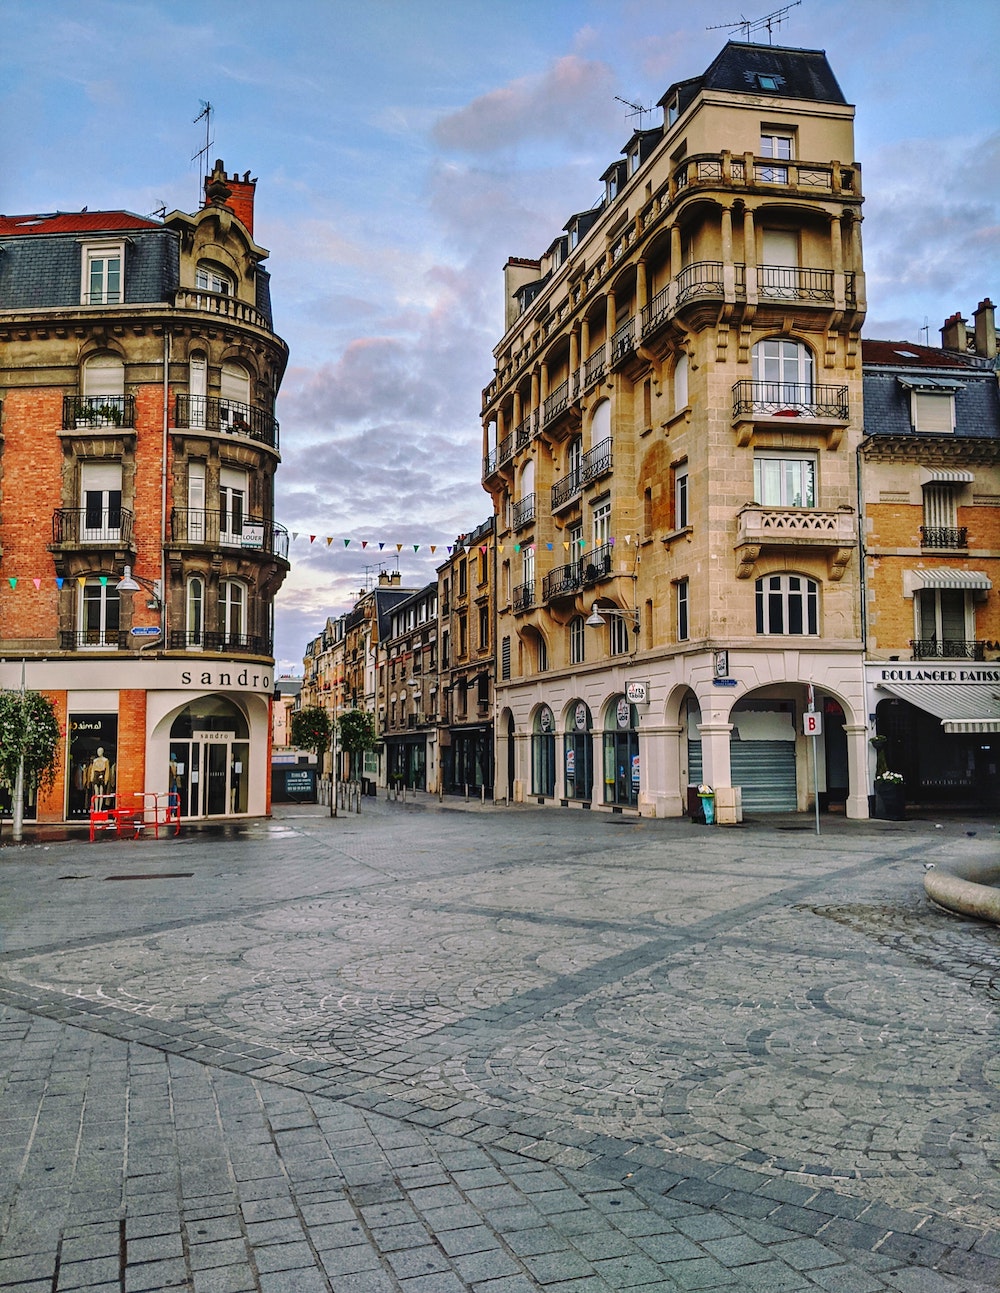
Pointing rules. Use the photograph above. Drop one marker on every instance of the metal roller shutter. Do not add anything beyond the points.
(766, 771)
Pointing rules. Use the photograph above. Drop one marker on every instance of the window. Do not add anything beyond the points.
(779, 147)
(445, 650)
(463, 640)
(681, 513)
(102, 274)
(103, 382)
(542, 655)
(99, 612)
(787, 604)
(940, 528)
(577, 630)
(196, 611)
(681, 383)
(932, 411)
(617, 635)
(673, 110)
(543, 753)
(234, 404)
(197, 388)
(683, 623)
(770, 83)
(101, 501)
(778, 272)
(505, 658)
(782, 376)
(463, 578)
(602, 524)
(484, 627)
(232, 504)
(528, 566)
(196, 502)
(209, 278)
(578, 747)
(944, 622)
(784, 482)
(232, 612)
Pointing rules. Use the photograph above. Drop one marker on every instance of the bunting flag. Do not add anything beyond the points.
(37, 582)
(59, 582)
(312, 538)
(12, 581)
(399, 547)
(104, 581)
(364, 543)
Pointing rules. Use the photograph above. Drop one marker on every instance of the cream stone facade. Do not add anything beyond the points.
(670, 444)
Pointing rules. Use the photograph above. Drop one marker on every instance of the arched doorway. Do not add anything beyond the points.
(578, 749)
(210, 758)
(621, 753)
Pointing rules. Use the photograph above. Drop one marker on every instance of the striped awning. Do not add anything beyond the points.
(913, 383)
(946, 577)
(945, 476)
(961, 706)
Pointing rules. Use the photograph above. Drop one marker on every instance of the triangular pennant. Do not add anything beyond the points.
(295, 535)
(312, 538)
(416, 547)
(483, 549)
(433, 549)
(628, 539)
(59, 581)
(104, 581)
(549, 546)
(37, 582)
(517, 547)
(12, 580)
(81, 580)
(449, 549)
(381, 546)
(566, 545)
(364, 543)
(399, 547)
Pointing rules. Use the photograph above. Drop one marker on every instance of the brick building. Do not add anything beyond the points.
(140, 556)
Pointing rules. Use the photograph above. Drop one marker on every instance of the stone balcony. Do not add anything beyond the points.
(808, 528)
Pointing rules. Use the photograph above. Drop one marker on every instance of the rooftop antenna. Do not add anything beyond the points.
(637, 109)
(160, 211)
(206, 112)
(370, 571)
(925, 331)
(751, 25)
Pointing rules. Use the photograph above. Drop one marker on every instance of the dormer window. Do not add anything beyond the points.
(103, 274)
(673, 110)
(208, 278)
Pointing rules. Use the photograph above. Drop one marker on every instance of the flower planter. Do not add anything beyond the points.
(890, 802)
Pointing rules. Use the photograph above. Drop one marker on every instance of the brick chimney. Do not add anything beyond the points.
(233, 192)
(954, 334)
(986, 329)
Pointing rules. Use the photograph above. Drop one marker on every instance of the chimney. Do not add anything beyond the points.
(954, 335)
(986, 330)
(233, 192)
(387, 580)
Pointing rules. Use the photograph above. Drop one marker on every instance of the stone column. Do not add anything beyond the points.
(857, 769)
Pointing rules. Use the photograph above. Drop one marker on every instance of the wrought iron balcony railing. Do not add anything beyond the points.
(522, 512)
(561, 581)
(597, 461)
(566, 488)
(947, 649)
(623, 342)
(246, 643)
(595, 366)
(556, 401)
(206, 528)
(523, 597)
(94, 639)
(596, 564)
(87, 526)
(789, 400)
(944, 536)
(98, 411)
(209, 413)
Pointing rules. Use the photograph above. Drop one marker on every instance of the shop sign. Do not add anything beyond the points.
(580, 717)
(637, 693)
(939, 675)
(623, 712)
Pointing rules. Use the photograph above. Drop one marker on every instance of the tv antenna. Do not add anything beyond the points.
(751, 25)
(206, 113)
(637, 109)
(379, 568)
(925, 331)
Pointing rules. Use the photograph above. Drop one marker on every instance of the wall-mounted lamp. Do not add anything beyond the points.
(130, 583)
(598, 616)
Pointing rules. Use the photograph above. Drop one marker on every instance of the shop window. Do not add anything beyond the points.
(621, 754)
(787, 604)
(543, 753)
(578, 753)
(785, 480)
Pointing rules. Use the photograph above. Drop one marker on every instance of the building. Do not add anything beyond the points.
(140, 555)
(930, 471)
(670, 445)
(409, 691)
(466, 588)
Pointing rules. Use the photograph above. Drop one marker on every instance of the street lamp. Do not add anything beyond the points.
(598, 616)
(130, 583)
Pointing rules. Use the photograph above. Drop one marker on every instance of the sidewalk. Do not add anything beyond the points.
(559, 1051)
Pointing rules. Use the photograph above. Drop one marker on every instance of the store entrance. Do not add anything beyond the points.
(210, 758)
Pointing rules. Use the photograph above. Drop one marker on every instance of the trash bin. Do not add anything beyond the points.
(707, 796)
(694, 805)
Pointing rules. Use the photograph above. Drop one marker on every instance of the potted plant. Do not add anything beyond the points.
(890, 795)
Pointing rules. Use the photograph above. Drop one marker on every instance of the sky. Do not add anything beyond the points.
(405, 148)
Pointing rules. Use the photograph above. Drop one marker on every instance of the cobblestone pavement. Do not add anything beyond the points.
(429, 1049)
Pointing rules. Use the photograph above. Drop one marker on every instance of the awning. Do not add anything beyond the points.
(945, 476)
(961, 706)
(930, 383)
(945, 577)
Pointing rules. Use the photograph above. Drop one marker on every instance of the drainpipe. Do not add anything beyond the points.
(861, 551)
(163, 489)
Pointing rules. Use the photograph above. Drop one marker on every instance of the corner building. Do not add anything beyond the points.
(670, 444)
(140, 556)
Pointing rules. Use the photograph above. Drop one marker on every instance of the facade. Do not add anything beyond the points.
(670, 445)
(930, 471)
(140, 556)
(466, 597)
(409, 692)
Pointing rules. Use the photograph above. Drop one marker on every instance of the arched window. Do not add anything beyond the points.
(213, 278)
(621, 753)
(782, 374)
(232, 613)
(103, 382)
(577, 632)
(787, 604)
(681, 382)
(543, 753)
(579, 752)
(234, 406)
(196, 611)
(197, 388)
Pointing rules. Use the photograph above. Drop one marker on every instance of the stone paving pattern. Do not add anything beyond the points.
(426, 1050)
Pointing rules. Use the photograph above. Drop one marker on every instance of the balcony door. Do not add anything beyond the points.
(101, 502)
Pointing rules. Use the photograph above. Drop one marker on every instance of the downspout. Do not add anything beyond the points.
(861, 551)
(163, 489)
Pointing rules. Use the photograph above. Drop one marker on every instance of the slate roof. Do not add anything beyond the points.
(886, 366)
(801, 74)
(43, 271)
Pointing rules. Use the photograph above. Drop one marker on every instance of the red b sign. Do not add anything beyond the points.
(812, 722)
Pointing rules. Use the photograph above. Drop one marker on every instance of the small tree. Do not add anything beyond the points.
(29, 746)
(357, 733)
(311, 730)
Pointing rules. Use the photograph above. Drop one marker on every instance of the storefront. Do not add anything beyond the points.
(468, 760)
(942, 730)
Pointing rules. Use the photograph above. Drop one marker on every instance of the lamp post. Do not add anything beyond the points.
(599, 615)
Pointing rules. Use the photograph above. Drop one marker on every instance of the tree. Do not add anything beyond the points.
(29, 746)
(357, 733)
(311, 730)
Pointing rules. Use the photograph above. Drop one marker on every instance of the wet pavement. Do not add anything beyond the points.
(438, 1047)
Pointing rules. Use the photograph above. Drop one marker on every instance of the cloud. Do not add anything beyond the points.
(566, 103)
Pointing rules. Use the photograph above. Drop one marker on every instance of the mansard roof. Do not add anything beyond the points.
(88, 222)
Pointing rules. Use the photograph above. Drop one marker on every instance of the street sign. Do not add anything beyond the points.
(145, 631)
(812, 722)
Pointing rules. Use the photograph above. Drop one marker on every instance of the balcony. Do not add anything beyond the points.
(566, 489)
(242, 643)
(623, 342)
(944, 536)
(522, 512)
(84, 527)
(215, 529)
(596, 462)
(98, 411)
(788, 405)
(947, 649)
(222, 305)
(794, 283)
(556, 402)
(596, 564)
(561, 581)
(760, 527)
(523, 597)
(703, 278)
(229, 417)
(95, 640)
(595, 367)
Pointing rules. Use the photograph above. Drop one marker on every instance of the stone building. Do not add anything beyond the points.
(409, 691)
(140, 555)
(930, 471)
(670, 445)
